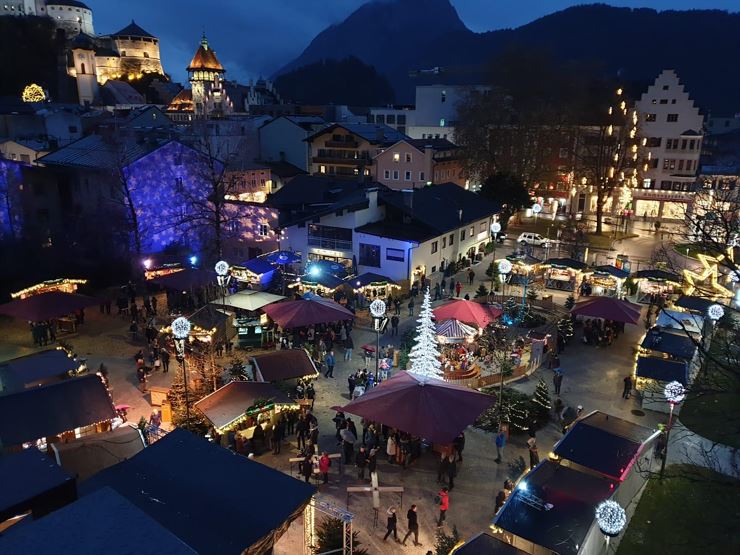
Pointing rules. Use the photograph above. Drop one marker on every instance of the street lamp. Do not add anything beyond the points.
(495, 230)
(224, 278)
(377, 311)
(181, 330)
(536, 209)
(611, 518)
(504, 269)
(674, 393)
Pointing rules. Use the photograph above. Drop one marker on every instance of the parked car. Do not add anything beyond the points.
(501, 237)
(534, 239)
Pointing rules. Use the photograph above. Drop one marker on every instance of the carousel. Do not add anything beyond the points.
(655, 284)
(458, 349)
(606, 281)
(563, 274)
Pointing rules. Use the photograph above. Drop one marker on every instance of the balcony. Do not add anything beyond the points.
(339, 161)
(342, 144)
(330, 244)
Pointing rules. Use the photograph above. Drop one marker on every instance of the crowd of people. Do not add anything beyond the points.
(600, 332)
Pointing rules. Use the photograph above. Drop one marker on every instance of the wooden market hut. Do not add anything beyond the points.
(36, 369)
(63, 285)
(652, 284)
(607, 280)
(324, 285)
(257, 273)
(524, 268)
(372, 285)
(563, 274)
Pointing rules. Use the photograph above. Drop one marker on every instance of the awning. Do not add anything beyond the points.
(608, 308)
(230, 402)
(248, 300)
(469, 312)
(47, 306)
(369, 278)
(304, 312)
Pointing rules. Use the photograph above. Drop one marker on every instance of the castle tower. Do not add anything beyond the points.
(84, 69)
(206, 75)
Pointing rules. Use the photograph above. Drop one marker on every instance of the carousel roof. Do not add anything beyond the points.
(469, 312)
(454, 329)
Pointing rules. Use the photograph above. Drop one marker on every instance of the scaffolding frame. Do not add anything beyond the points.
(329, 508)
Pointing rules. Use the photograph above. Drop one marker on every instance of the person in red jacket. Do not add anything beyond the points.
(444, 504)
(324, 464)
(458, 288)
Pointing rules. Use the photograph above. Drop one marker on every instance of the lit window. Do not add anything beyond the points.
(649, 117)
(396, 157)
(322, 169)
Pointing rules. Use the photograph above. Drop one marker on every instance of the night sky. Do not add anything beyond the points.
(256, 37)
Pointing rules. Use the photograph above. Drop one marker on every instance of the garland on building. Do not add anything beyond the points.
(424, 356)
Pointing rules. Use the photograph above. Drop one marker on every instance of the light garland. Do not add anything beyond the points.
(33, 93)
(181, 327)
(611, 518)
(63, 284)
(674, 392)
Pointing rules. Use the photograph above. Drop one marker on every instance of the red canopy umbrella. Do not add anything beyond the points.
(469, 312)
(304, 312)
(187, 279)
(47, 305)
(608, 308)
(432, 409)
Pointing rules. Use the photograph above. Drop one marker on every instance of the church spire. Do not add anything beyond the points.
(204, 41)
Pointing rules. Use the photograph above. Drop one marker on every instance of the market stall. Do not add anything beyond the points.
(152, 272)
(252, 324)
(652, 374)
(62, 285)
(563, 274)
(372, 286)
(606, 281)
(256, 273)
(323, 285)
(655, 285)
(524, 268)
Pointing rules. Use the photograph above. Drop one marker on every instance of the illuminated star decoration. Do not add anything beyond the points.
(707, 280)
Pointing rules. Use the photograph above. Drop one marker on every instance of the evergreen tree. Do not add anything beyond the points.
(565, 328)
(541, 400)
(330, 537)
(517, 414)
(481, 291)
(445, 543)
(570, 302)
(424, 355)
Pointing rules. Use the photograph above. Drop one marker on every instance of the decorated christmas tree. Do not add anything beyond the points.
(176, 396)
(565, 328)
(424, 356)
(517, 414)
(541, 400)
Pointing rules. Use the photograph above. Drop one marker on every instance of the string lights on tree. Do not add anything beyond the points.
(424, 356)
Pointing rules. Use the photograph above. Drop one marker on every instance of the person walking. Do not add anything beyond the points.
(627, 391)
(557, 380)
(361, 462)
(500, 444)
(451, 472)
(307, 468)
(392, 525)
(436, 292)
(397, 306)
(444, 464)
(413, 525)
(411, 306)
(348, 346)
(444, 503)
(330, 361)
(351, 383)
(459, 444)
(471, 276)
(534, 457)
(394, 325)
(301, 428)
(458, 288)
(452, 287)
(324, 464)
(442, 287)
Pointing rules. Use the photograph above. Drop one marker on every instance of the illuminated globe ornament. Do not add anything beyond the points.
(715, 312)
(33, 93)
(611, 518)
(377, 308)
(504, 266)
(495, 227)
(222, 267)
(536, 208)
(181, 327)
(674, 392)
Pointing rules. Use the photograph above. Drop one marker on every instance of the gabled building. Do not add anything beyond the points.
(413, 163)
(672, 130)
(283, 139)
(347, 150)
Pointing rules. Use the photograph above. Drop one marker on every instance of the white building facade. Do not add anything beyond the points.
(672, 130)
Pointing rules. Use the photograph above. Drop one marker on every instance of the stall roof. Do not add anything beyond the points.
(566, 263)
(231, 401)
(35, 367)
(284, 365)
(259, 266)
(697, 304)
(612, 271)
(112, 525)
(657, 275)
(527, 259)
(485, 544)
(671, 342)
(326, 280)
(688, 321)
(27, 475)
(52, 409)
(574, 496)
(662, 369)
(201, 499)
(209, 317)
(248, 299)
(367, 278)
(603, 443)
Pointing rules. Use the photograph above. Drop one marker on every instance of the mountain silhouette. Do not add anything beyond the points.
(401, 37)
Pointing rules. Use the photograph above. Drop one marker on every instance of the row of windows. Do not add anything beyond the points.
(407, 176)
(680, 165)
(433, 135)
(670, 118)
(666, 185)
(407, 157)
(387, 118)
(450, 240)
(664, 101)
(444, 174)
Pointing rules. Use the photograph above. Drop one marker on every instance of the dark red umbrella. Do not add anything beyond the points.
(186, 280)
(304, 312)
(47, 305)
(469, 312)
(432, 409)
(608, 308)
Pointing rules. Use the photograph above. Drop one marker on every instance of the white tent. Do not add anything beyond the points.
(248, 300)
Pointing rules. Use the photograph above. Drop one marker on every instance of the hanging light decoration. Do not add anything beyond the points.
(611, 518)
(715, 312)
(674, 392)
(222, 267)
(181, 327)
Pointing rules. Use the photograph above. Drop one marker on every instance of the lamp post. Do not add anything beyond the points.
(504, 269)
(611, 518)
(377, 311)
(495, 230)
(536, 209)
(674, 393)
(180, 331)
(224, 278)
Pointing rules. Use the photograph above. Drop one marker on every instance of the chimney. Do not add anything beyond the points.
(408, 198)
(459, 214)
